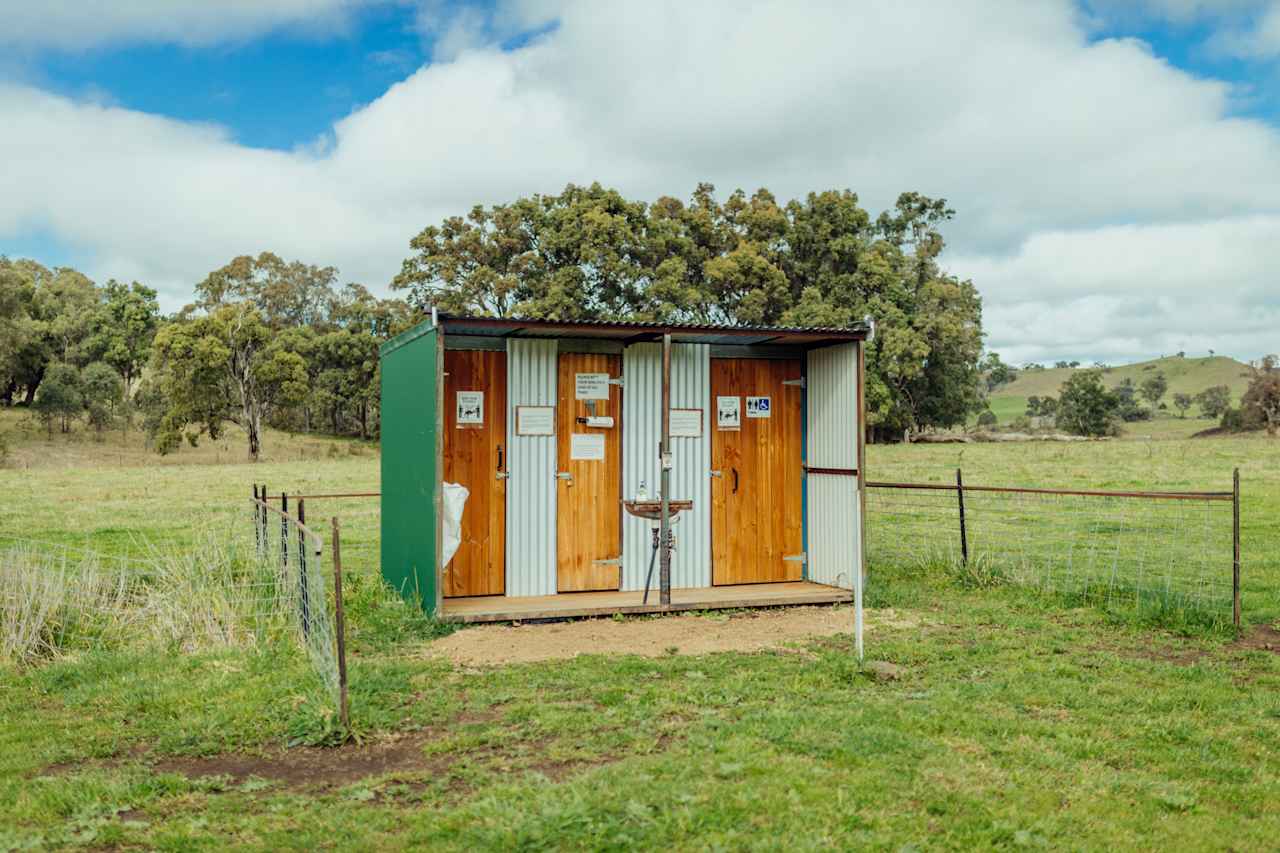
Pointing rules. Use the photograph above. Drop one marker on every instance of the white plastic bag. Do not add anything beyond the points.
(455, 498)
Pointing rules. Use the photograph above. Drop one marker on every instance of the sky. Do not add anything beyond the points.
(1114, 164)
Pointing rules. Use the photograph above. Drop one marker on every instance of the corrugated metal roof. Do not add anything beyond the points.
(635, 332)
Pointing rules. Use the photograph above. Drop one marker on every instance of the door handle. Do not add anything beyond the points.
(500, 474)
(735, 480)
(499, 457)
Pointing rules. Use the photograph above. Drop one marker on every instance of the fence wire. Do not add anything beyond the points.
(229, 586)
(1126, 551)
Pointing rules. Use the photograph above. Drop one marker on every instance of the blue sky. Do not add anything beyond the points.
(165, 136)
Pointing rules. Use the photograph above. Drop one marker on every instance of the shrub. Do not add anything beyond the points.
(1086, 407)
(987, 418)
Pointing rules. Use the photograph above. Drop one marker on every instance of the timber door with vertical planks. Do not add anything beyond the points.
(475, 456)
(756, 513)
(588, 490)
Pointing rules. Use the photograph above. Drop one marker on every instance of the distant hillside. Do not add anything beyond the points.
(1185, 375)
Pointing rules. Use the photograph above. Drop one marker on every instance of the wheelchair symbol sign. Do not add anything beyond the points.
(757, 407)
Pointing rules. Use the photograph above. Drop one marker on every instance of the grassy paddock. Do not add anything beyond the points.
(1020, 719)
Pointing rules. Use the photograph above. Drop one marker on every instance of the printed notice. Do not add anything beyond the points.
(535, 420)
(591, 386)
(757, 407)
(587, 446)
(470, 409)
(728, 413)
(686, 423)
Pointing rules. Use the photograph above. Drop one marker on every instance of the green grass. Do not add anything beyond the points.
(1022, 720)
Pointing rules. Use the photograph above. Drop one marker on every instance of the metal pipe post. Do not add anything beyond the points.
(1235, 536)
(664, 452)
(304, 585)
(964, 535)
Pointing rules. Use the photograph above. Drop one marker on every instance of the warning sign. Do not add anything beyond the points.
(470, 409)
(728, 413)
(757, 407)
(591, 386)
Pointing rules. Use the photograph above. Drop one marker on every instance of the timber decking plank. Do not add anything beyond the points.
(567, 606)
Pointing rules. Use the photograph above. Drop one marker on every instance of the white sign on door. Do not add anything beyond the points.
(686, 423)
(591, 386)
(757, 407)
(470, 408)
(587, 446)
(728, 413)
(535, 420)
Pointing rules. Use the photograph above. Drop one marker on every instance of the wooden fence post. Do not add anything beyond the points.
(964, 534)
(1235, 547)
(344, 711)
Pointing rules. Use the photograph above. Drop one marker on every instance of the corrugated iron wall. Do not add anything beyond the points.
(531, 461)
(832, 442)
(691, 457)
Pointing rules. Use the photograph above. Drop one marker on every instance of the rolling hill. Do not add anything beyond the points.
(1185, 375)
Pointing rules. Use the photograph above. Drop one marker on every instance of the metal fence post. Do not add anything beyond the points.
(1235, 547)
(304, 591)
(964, 534)
(262, 521)
(257, 524)
(284, 536)
(344, 711)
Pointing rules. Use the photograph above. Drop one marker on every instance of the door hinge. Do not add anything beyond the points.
(612, 561)
(715, 473)
(796, 558)
(615, 380)
(798, 383)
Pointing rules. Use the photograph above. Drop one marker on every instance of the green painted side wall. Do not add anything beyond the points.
(410, 377)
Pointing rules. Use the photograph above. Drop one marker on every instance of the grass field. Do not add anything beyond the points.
(1018, 721)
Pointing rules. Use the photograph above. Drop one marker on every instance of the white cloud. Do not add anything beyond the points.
(1257, 38)
(73, 24)
(1040, 139)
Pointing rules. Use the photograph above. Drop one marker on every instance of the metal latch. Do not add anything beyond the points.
(565, 475)
(796, 558)
(797, 383)
(716, 473)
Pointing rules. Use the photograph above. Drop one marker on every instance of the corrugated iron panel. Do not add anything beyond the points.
(691, 458)
(531, 461)
(832, 442)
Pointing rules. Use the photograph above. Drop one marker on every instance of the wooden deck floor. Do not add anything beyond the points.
(497, 608)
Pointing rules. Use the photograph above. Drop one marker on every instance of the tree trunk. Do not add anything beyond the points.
(253, 426)
(32, 386)
(7, 396)
(364, 420)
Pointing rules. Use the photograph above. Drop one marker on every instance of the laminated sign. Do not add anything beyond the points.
(686, 423)
(470, 411)
(587, 446)
(535, 420)
(728, 413)
(591, 386)
(757, 407)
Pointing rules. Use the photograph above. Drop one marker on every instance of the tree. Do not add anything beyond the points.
(1154, 388)
(1262, 397)
(103, 391)
(1183, 402)
(224, 365)
(1213, 401)
(1127, 406)
(1033, 406)
(987, 418)
(996, 372)
(60, 396)
(285, 294)
(1085, 406)
(124, 328)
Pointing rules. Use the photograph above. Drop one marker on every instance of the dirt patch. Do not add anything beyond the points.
(682, 633)
(313, 767)
(1259, 638)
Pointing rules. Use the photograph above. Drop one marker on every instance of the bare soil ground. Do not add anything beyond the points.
(648, 636)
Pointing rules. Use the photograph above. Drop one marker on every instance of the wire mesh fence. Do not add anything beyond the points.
(1173, 551)
(249, 577)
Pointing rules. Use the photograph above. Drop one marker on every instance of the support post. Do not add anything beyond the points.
(664, 452)
(344, 710)
(257, 523)
(262, 521)
(284, 537)
(964, 534)
(1235, 545)
(860, 579)
(304, 584)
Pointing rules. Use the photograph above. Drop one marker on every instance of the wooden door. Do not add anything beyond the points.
(475, 436)
(756, 519)
(588, 490)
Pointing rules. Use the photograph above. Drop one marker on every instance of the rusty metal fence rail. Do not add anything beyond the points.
(1171, 550)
